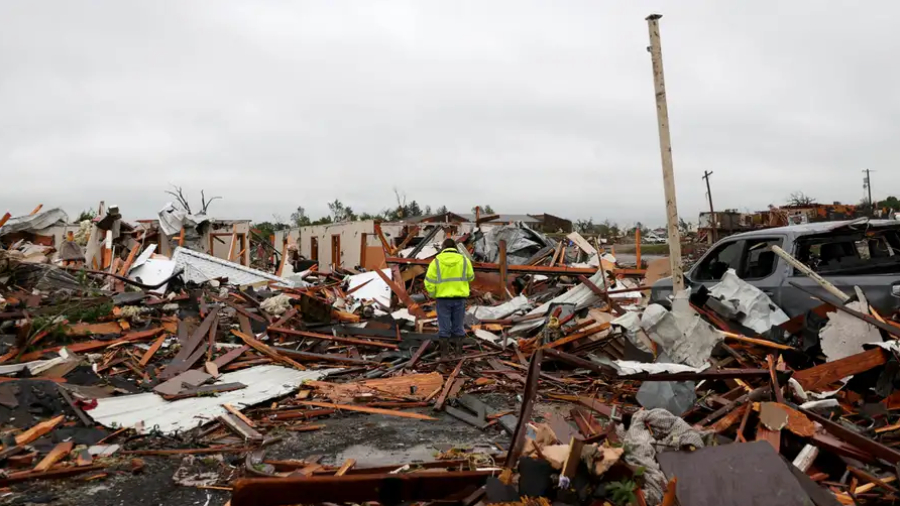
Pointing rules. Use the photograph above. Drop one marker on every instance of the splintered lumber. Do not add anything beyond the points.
(439, 403)
(266, 350)
(231, 356)
(579, 335)
(152, 351)
(820, 376)
(414, 387)
(517, 445)
(94, 345)
(355, 488)
(773, 437)
(58, 453)
(754, 341)
(856, 439)
(38, 430)
(363, 409)
(84, 329)
(326, 337)
(318, 357)
(349, 463)
(46, 475)
(240, 427)
(728, 420)
(234, 411)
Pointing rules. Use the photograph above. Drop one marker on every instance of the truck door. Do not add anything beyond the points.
(760, 266)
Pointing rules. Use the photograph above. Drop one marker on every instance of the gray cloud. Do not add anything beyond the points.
(530, 106)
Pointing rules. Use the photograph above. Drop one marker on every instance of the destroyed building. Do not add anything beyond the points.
(134, 349)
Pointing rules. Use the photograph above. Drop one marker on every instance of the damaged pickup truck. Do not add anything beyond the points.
(850, 253)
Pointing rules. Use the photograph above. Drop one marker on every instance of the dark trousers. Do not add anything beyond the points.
(450, 314)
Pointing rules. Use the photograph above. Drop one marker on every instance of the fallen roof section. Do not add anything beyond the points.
(200, 268)
(146, 412)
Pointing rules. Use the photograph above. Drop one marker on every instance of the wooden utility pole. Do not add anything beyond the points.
(665, 147)
(867, 183)
(712, 212)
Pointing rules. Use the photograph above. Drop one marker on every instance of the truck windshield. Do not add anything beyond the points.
(872, 251)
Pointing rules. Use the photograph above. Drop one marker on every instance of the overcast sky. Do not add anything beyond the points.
(527, 106)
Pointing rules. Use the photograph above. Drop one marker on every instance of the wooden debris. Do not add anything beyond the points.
(363, 409)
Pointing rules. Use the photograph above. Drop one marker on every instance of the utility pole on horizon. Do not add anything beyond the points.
(867, 184)
(712, 211)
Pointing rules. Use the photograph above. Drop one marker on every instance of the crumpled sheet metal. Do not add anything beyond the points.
(581, 296)
(149, 411)
(760, 313)
(844, 335)
(35, 223)
(375, 288)
(172, 219)
(631, 323)
(683, 334)
(200, 268)
(521, 244)
(519, 303)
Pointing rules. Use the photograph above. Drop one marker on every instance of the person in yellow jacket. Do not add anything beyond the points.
(447, 281)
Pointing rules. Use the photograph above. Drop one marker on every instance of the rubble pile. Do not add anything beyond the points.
(113, 353)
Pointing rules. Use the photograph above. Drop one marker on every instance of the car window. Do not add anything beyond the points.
(760, 259)
(726, 256)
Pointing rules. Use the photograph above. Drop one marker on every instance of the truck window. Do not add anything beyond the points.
(761, 260)
(866, 251)
(726, 256)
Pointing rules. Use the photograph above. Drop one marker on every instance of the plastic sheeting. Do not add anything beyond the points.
(655, 431)
(519, 303)
(172, 219)
(760, 313)
(521, 244)
(36, 222)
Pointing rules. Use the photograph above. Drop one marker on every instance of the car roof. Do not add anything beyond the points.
(815, 228)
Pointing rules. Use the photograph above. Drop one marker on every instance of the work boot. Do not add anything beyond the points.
(458, 345)
(445, 347)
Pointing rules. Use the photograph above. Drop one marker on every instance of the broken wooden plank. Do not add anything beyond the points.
(236, 412)
(820, 376)
(528, 399)
(205, 390)
(326, 337)
(240, 427)
(38, 430)
(439, 403)
(46, 475)
(266, 350)
(355, 488)
(363, 409)
(231, 356)
(348, 464)
(58, 453)
(854, 438)
(148, 355)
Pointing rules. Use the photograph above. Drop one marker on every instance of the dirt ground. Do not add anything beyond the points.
(372, 440)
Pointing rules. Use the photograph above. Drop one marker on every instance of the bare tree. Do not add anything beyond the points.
(799, 198)
(205, 202)
(178, 193)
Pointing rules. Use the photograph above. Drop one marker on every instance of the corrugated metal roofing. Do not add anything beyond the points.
(150, 411)
(32, 223)
(200, 267)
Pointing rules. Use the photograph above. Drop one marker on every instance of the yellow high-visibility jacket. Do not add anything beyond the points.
(449, 275)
